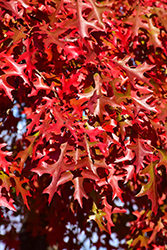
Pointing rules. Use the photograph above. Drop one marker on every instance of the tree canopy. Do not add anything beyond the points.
(83, 123)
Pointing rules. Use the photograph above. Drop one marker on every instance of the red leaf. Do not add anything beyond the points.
(55, 170)
(137, 72)
(113, 181)
(81, 23)
(109, 211)
(79, 190)
(14, 69)
(7, 88)
(5, 203)
(4, 164)
(78, 184)
(137, 20)
(19, 189)
(52, 35)
(140, 151)
(29, 57)
(18, 34)
(39, 85)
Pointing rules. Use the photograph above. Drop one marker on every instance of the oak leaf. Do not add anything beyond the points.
(150, 188)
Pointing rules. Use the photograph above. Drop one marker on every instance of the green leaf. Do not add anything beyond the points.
(5, 180)
(27, 152)
(143, 241)
(150, 188)
(98, 217)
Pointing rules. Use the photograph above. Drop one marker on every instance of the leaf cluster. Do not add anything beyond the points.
(83, 119)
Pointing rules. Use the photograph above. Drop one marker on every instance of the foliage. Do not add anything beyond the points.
(83, 90)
